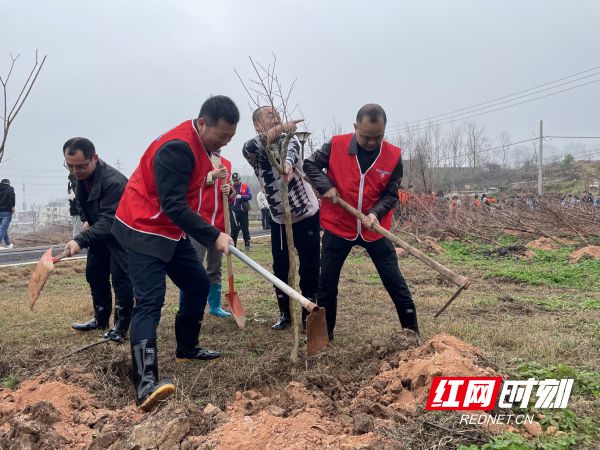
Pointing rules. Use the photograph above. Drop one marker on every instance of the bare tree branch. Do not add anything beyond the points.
(9, 116)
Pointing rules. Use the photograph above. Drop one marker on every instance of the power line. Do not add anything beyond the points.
(497, 109)
(510, 95)
(573, 137)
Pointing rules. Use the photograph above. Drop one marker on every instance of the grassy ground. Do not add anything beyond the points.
(532, 318)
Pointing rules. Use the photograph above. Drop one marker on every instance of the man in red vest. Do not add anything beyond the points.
(158, 211)
(366, 171)
(211, 210)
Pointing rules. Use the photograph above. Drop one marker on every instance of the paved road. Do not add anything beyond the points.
(30, 255)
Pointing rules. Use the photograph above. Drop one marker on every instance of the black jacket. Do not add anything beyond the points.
(99, 206)
(7, 197)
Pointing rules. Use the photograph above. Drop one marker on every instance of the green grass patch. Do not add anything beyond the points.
(547, 268)
(10, 381)
(564, 302)
(587, 382)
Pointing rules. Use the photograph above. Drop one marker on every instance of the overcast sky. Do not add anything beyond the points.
(123, 72)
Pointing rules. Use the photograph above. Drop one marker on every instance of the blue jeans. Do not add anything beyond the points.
(148, 275)
(5, 218)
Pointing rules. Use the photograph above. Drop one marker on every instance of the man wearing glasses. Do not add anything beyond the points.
(98, 189)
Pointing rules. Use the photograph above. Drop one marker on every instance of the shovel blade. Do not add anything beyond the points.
(237, 309)
(39, 276)
(316, 331)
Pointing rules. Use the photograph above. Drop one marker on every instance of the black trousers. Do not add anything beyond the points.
(239, 221)
(106, 263)
(382, 253)
(265, 218)
(149, 273)
(306, 241)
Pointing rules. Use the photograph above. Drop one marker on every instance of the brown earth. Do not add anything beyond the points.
(553, 243)
(326, 410)
(591, 251)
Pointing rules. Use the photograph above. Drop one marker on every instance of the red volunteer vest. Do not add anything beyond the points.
(360, 191)
(243, 191)
(211, 208)
(139, 207)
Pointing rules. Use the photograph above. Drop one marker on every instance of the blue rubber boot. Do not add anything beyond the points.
(214, 302)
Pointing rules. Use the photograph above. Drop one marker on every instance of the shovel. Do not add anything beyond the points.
(461, 281)
(41, 272)
(237, 309)
(316, 326)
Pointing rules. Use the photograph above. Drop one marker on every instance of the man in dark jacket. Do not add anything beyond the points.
(98, 190)
(7, 209)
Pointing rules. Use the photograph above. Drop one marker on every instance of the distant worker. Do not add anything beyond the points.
(7, 209)
(263, 204)
(239, 208)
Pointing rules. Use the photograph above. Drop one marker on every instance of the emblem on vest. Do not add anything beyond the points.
(382, 173)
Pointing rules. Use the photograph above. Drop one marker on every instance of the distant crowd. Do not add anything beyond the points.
(410, 200)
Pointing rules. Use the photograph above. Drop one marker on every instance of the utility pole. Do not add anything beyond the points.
(24, 202)
(540, 174)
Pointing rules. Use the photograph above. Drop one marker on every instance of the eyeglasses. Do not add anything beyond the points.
(76, 167)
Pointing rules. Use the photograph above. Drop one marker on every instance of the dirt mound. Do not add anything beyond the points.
(431, 246)
(591, 251)
(51, 414)
(301, 417)
(404, 388)
(545, 243)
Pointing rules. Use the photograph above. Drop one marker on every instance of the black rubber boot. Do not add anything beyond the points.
(408, 320)
(187, 329)
(285, 318)
(118, 332)
(148, 390)
(92, 324)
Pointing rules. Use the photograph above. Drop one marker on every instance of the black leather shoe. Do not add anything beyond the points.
(199, 354)
(90, 325)
(283, 323)
(115, 335)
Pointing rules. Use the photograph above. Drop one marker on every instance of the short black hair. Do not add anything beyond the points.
(373, 112)
(5, 181)
(219, 107)
(79, 143)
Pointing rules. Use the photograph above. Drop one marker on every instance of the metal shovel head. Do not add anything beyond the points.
(239, 314)
(39, 276)
(316, 331)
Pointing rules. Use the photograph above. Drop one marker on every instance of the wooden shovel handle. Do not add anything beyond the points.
(228, 231)
(459, 280)
(66, 252)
